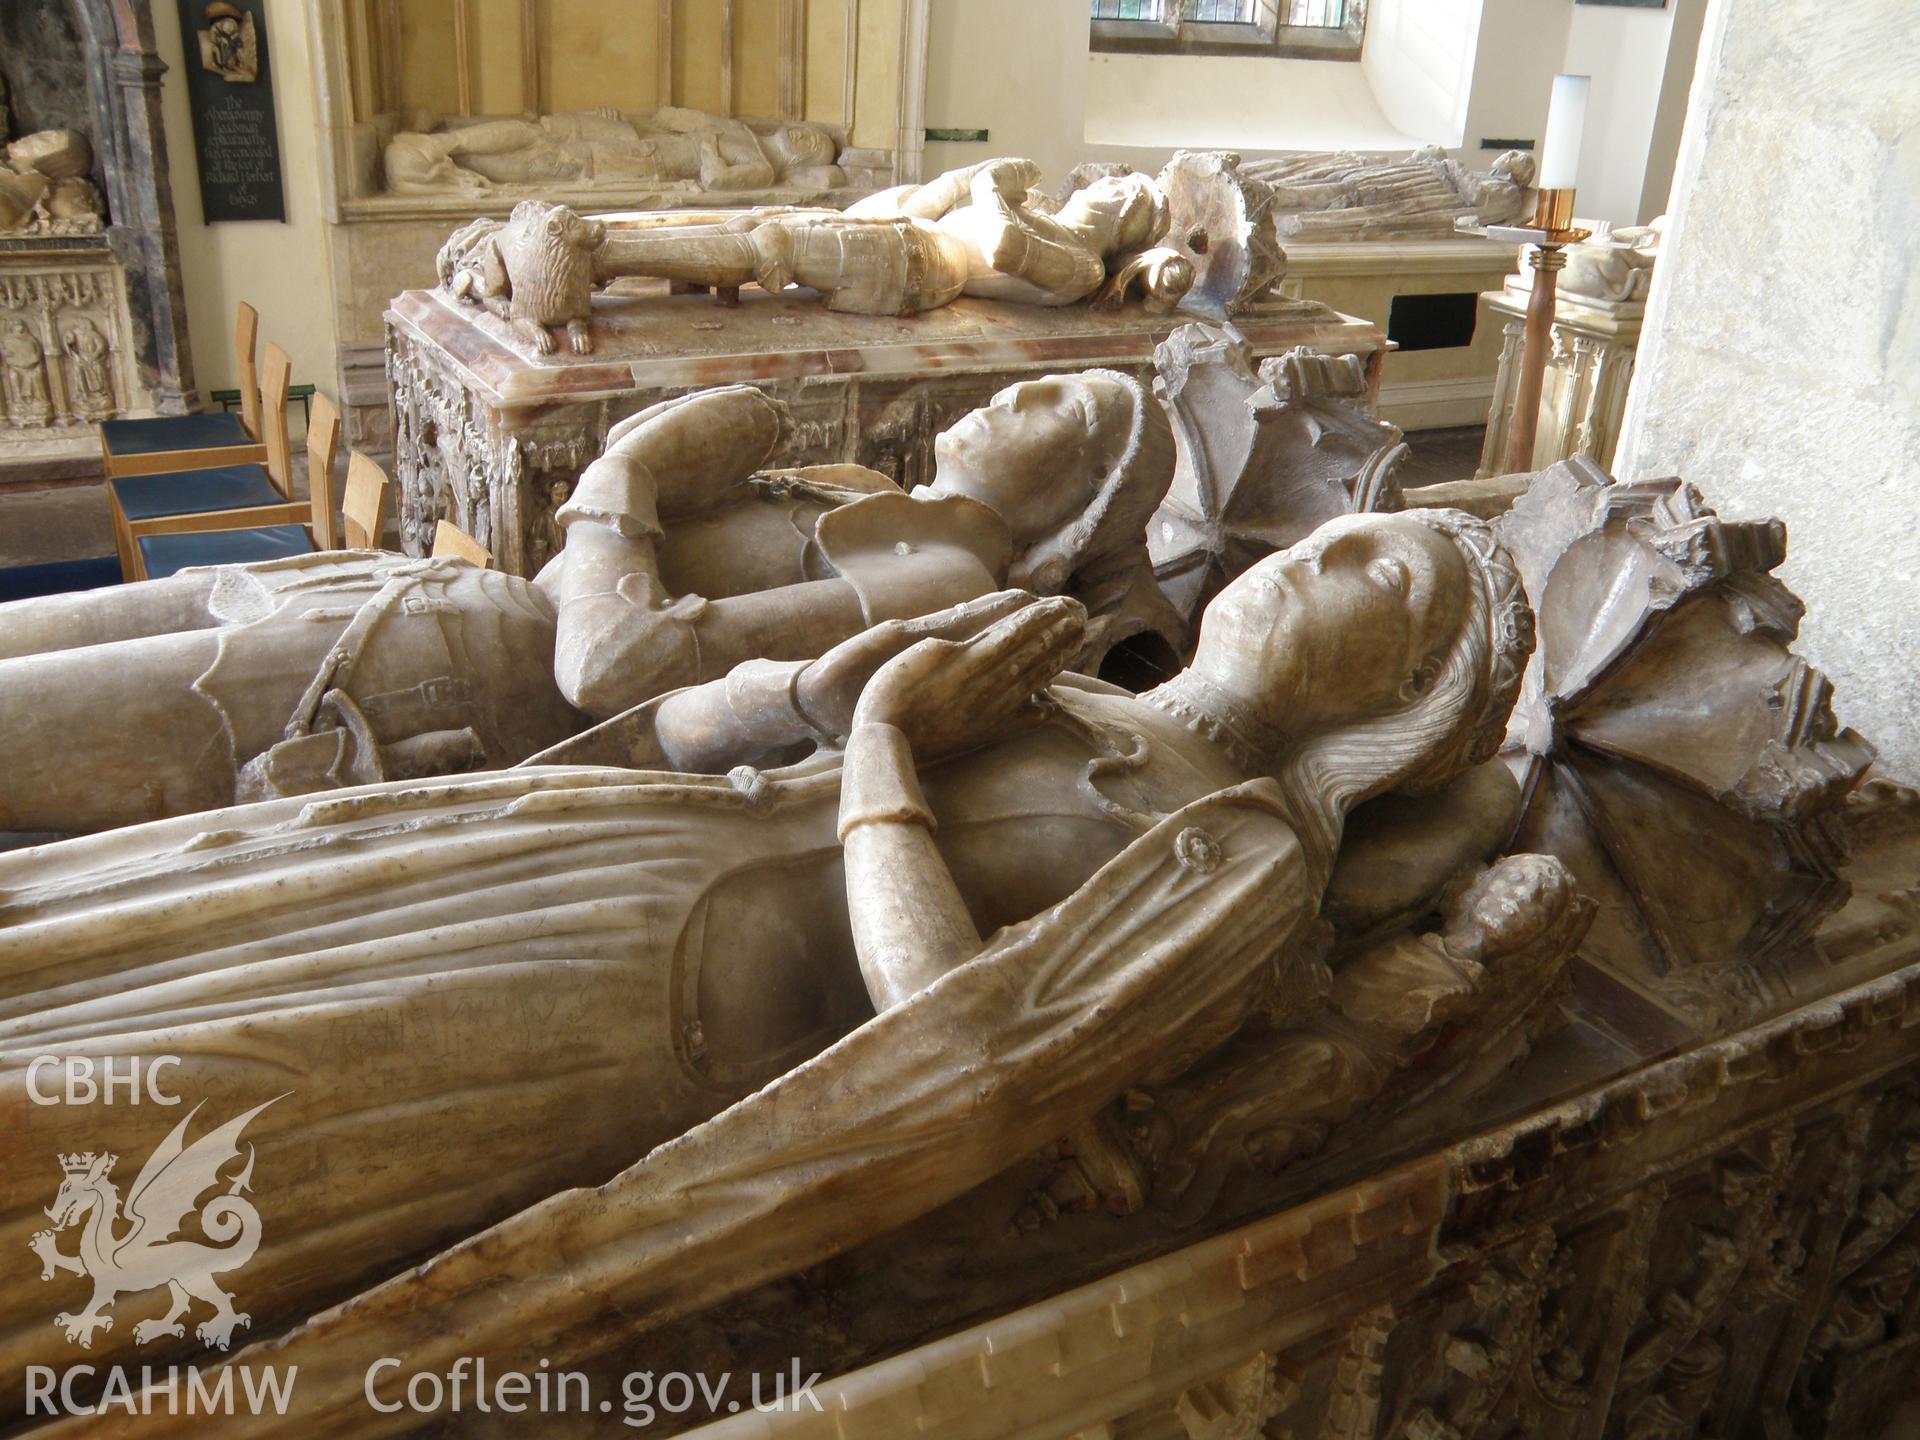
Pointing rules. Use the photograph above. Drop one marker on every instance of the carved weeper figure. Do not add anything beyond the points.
(26, 374)
(571, 966)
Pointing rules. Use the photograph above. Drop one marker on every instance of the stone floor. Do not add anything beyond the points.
(1440, 455)
(68, 519)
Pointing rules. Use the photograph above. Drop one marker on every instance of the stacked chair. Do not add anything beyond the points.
(165, 523)
(450, 539)
(171, 444)
(362, 507)
(192, 490)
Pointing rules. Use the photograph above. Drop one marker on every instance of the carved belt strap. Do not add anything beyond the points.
(338, 666)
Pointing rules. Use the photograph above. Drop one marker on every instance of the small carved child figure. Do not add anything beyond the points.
(1505, 935)
(1466, 1002)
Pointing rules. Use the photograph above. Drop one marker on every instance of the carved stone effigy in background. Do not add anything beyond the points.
(1600, 301)
(549, 326)
(494, 440)
(1264, 457)
(1197, 236)
(1343, 196)
(46, 185)
(646, 106)
(687, 156)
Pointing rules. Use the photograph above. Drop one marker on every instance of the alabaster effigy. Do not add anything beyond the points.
(1220, 855)
(46, 185)
(986, 231)
(504, 388)
(685, 557)
(1374, 1023)
(1337, 195)
(678, 150)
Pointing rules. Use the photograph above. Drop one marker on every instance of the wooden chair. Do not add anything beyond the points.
(449, 539)
(170, 543)
(169, 444)
(365, 502)
(135, 499)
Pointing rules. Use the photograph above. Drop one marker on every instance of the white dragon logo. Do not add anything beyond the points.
(147, 1256)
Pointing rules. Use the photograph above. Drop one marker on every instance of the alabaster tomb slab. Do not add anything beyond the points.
(1505, 1028)
(494, 438)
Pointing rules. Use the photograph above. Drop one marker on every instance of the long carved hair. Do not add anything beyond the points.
(1452, 715)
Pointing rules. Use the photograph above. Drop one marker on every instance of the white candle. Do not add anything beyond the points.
(1566, 119)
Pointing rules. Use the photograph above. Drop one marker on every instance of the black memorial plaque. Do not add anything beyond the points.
(231, 94)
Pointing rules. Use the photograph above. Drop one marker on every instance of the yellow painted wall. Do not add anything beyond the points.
(281, 269)
(593, 53)
(756, 57)
(606, 53)
(495, 38)
(696, 54)
(426, 56)
(877, 80)
(826, 72)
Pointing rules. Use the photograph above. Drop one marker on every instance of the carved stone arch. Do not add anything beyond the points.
(123, 84)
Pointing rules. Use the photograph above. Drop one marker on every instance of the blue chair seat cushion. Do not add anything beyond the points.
(166, 554)
(194, 492)
(174, 432)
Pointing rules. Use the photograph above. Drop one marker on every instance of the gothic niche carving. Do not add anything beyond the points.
(63, 350)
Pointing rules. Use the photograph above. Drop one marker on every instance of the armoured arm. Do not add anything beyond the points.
(717, 172)
(1007, 178)
(623, 639)
(765, 707)
(1025, 249)
(622, 636)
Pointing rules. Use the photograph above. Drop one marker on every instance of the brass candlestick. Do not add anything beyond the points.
(1550, 233)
